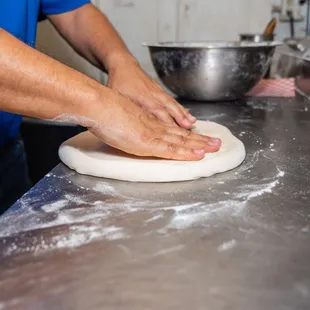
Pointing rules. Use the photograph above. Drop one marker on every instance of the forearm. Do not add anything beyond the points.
(36, 85)
(92, 36)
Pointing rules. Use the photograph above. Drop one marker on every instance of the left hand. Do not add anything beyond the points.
(132, 82)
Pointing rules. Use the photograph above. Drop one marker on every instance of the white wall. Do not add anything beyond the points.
(50, 43)
(151, 21)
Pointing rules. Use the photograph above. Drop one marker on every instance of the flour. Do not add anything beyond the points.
(169, 250)
(265, 189)
(104, 188)
(77, 200)
(227, 245)
(271, 146)
(79, 219)
(77, 237)
(193, 215)
(256, 190)
(56, 206)
(154, 218)
(266, 106)
(84, 235)
(215, 116)
(84, 220)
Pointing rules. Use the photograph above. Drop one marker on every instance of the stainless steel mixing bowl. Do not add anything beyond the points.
(211, 71)
(250, 37)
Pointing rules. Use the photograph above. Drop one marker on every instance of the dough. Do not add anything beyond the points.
(88, 155)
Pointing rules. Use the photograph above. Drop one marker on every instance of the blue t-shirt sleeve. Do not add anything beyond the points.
(60, 6)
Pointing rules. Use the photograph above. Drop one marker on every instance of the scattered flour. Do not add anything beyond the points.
(227, 245)
(169, 250)
(55, 206)
(75, 237)
(86, 235)
(192, 215)
(255, 190)
(154, 218)
(272, 147)
(104, 188)
(80, 221)
(266, 106)
(215, 116)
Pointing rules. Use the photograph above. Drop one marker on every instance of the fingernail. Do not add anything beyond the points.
(192, 118)
(214, 142)
(199, 152)
(187, 122)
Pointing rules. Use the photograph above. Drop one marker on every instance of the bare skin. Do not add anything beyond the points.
(35, 85)
(92, 35)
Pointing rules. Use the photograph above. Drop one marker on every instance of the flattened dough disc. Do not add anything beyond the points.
(88, 155)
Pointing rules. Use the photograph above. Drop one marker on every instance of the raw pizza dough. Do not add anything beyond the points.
(88, 155)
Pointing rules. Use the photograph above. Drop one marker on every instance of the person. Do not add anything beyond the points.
(131, 113)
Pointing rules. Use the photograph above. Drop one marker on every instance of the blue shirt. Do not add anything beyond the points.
(19, 17)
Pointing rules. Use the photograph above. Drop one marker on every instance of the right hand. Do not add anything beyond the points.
(124, 125)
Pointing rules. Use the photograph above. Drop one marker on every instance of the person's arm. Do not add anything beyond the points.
(38, 86)
(91, 34)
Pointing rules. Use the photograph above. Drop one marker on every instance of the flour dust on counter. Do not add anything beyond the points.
(83, 211)
(86, 154)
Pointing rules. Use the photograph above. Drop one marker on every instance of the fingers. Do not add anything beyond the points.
(190, 116)
(153, 106)
(164, 116)
(167, 109)
(190, 143)
(182, 117)
(181, 145)
(211, 144)
(163, 149)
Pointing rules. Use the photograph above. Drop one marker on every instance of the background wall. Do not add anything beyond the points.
(151, 21)
(50, 43)
(283, 28)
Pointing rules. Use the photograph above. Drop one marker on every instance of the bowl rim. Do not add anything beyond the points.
(213, 44)
(257, 34)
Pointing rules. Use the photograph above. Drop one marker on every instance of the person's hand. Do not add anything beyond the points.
(124, 125)
(130, 81)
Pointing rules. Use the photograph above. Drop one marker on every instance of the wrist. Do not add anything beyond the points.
(119, 61)
(89, 107)
(96, 109)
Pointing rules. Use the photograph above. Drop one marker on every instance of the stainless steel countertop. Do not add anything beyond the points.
(238, 240)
